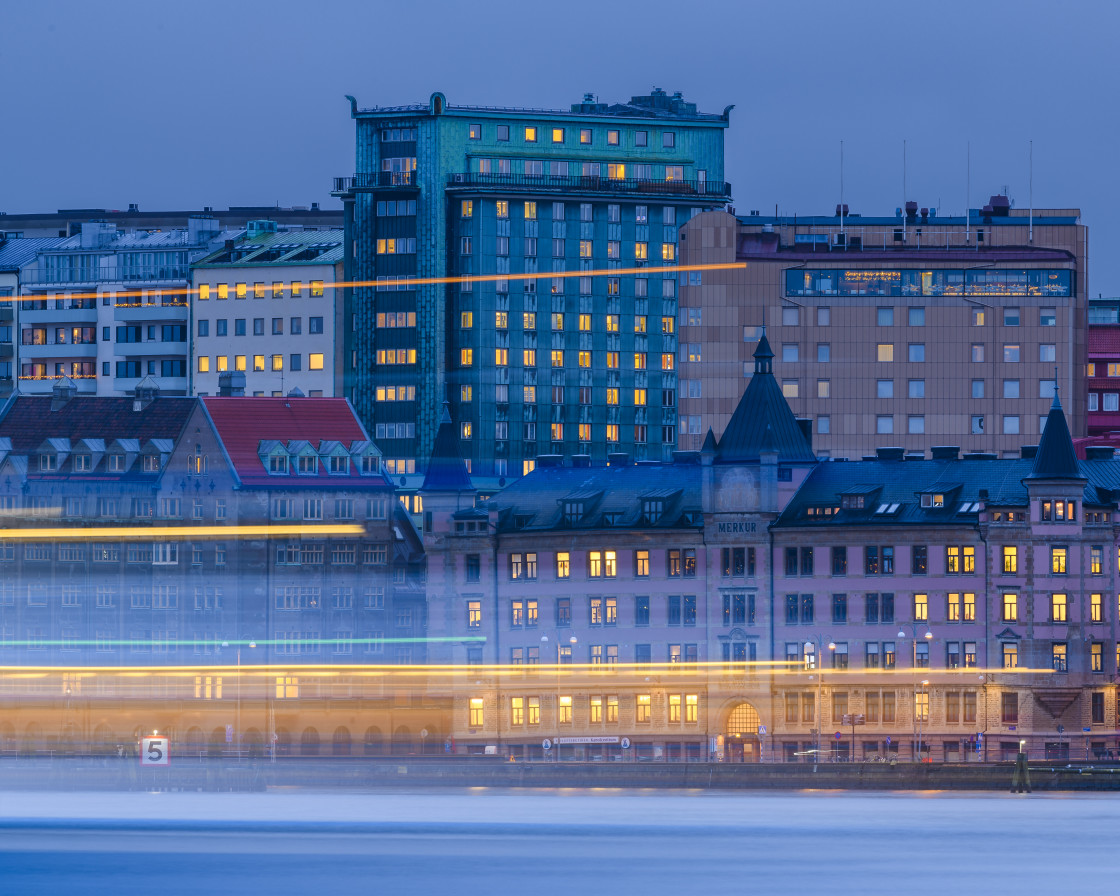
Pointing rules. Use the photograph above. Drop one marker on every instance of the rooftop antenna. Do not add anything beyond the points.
(841, 188)
(967, 189)
(904, 192)
(1030, 219)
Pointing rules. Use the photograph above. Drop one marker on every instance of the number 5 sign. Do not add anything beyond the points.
(155, 751)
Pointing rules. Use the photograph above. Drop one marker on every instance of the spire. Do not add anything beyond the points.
(763, 355)
(1056, 458)
(763, 420)
(709, 446)
(447, 471)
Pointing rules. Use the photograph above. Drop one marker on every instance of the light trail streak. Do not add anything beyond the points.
(62, 292)
(186, 533)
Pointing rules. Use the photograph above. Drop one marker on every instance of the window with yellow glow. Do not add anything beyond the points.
(557, 135)
(203, 364)
(534, 710)
(316, 288)
(557, 432)
(241, 290)
(204, 292)
(530, 135)
(277, 362)
(501, 208)
(668, 251)
(674, 707)
(258, 363)
(222, 363)
(466, 357)
(287, 687)
(921, 607)
(466, 208)
(565, 710)
(297, 289)
(644, 707)
(517, 711)
(1058, 607)
(315, 361)
(476, 714)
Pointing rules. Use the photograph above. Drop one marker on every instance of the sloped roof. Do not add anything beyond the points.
(1056, 458)
(447, 471)
(29, 420)
(14, 254)
(242, 423)
(536, 502)
(763, 420)
(903, 482)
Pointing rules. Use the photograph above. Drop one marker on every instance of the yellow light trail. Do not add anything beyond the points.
(61, 292)
(184, 532)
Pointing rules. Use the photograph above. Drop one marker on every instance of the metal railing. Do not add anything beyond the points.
(594, 183)
(370, 180)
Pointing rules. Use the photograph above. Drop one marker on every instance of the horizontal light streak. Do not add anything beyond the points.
(185, 533)
(596, 670)
(62, 292)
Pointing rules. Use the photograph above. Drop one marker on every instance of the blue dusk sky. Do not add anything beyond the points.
(241, 103)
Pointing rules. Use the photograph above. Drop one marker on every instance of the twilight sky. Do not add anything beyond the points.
(241, 103)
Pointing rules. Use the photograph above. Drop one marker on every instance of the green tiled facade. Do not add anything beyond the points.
(582, 364)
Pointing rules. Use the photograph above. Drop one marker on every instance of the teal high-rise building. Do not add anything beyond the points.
(577, 364)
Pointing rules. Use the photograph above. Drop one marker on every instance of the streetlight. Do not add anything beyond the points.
(917, 744)
(252, 644)
(814, 646)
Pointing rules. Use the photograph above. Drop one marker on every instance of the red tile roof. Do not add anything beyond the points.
(242, 423)
(1104, 340)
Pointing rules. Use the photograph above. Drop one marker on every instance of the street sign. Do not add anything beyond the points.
(155, 750)
(1086, 730)
(888, 740)
(838, 735)
(1062, 728)
(546, 743)
(761, 730)
(626, 743)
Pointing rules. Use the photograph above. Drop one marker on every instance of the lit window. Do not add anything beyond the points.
(530, 135)
(557, 135)
(203, 364)
(885, 351)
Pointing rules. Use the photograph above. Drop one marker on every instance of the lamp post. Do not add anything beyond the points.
(252, 644)
(914, 665)
(814, 646)
(573, 640)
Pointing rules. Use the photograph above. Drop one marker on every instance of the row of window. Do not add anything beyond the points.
(558, 134)
(916, 352)
(295, 326)
(915, 317)
(557, 358)
(556, 284)
(641, 250)
(966, 282)
(611, 323)
(586, 212)
(276, 289)
(222, 363)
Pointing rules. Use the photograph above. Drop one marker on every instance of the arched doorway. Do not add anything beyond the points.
(340, 743)
(373, 742)
(740, 735)
(309, 742)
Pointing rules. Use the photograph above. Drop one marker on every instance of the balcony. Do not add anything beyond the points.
(713, 191)
(38, 351)
(376, 180)
(169, 311)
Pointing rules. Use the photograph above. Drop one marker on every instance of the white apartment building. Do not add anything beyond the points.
(265, 305)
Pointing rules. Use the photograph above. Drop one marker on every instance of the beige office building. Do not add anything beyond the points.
(907, 331)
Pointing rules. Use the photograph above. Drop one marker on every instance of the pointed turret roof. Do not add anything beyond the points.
(447, 471)
(763, 420)
(1056, 458)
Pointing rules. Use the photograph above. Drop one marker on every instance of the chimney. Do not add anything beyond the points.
(231, 384)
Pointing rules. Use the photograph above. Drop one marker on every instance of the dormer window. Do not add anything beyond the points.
(83, 463)
(116, 463)
(652, 510)
(48, 463)
(151, 463)
(308, 465)
(369, 465)
(933, 499)
(827, 510)
(573, 511)
(851, 502)
(278, 464)
(340, 465)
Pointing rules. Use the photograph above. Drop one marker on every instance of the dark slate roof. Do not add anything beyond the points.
(29, 420)
(612, 496)
(763, 420)
(14, 254)
(447, 472)
(1056, 458)
(886, 483)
